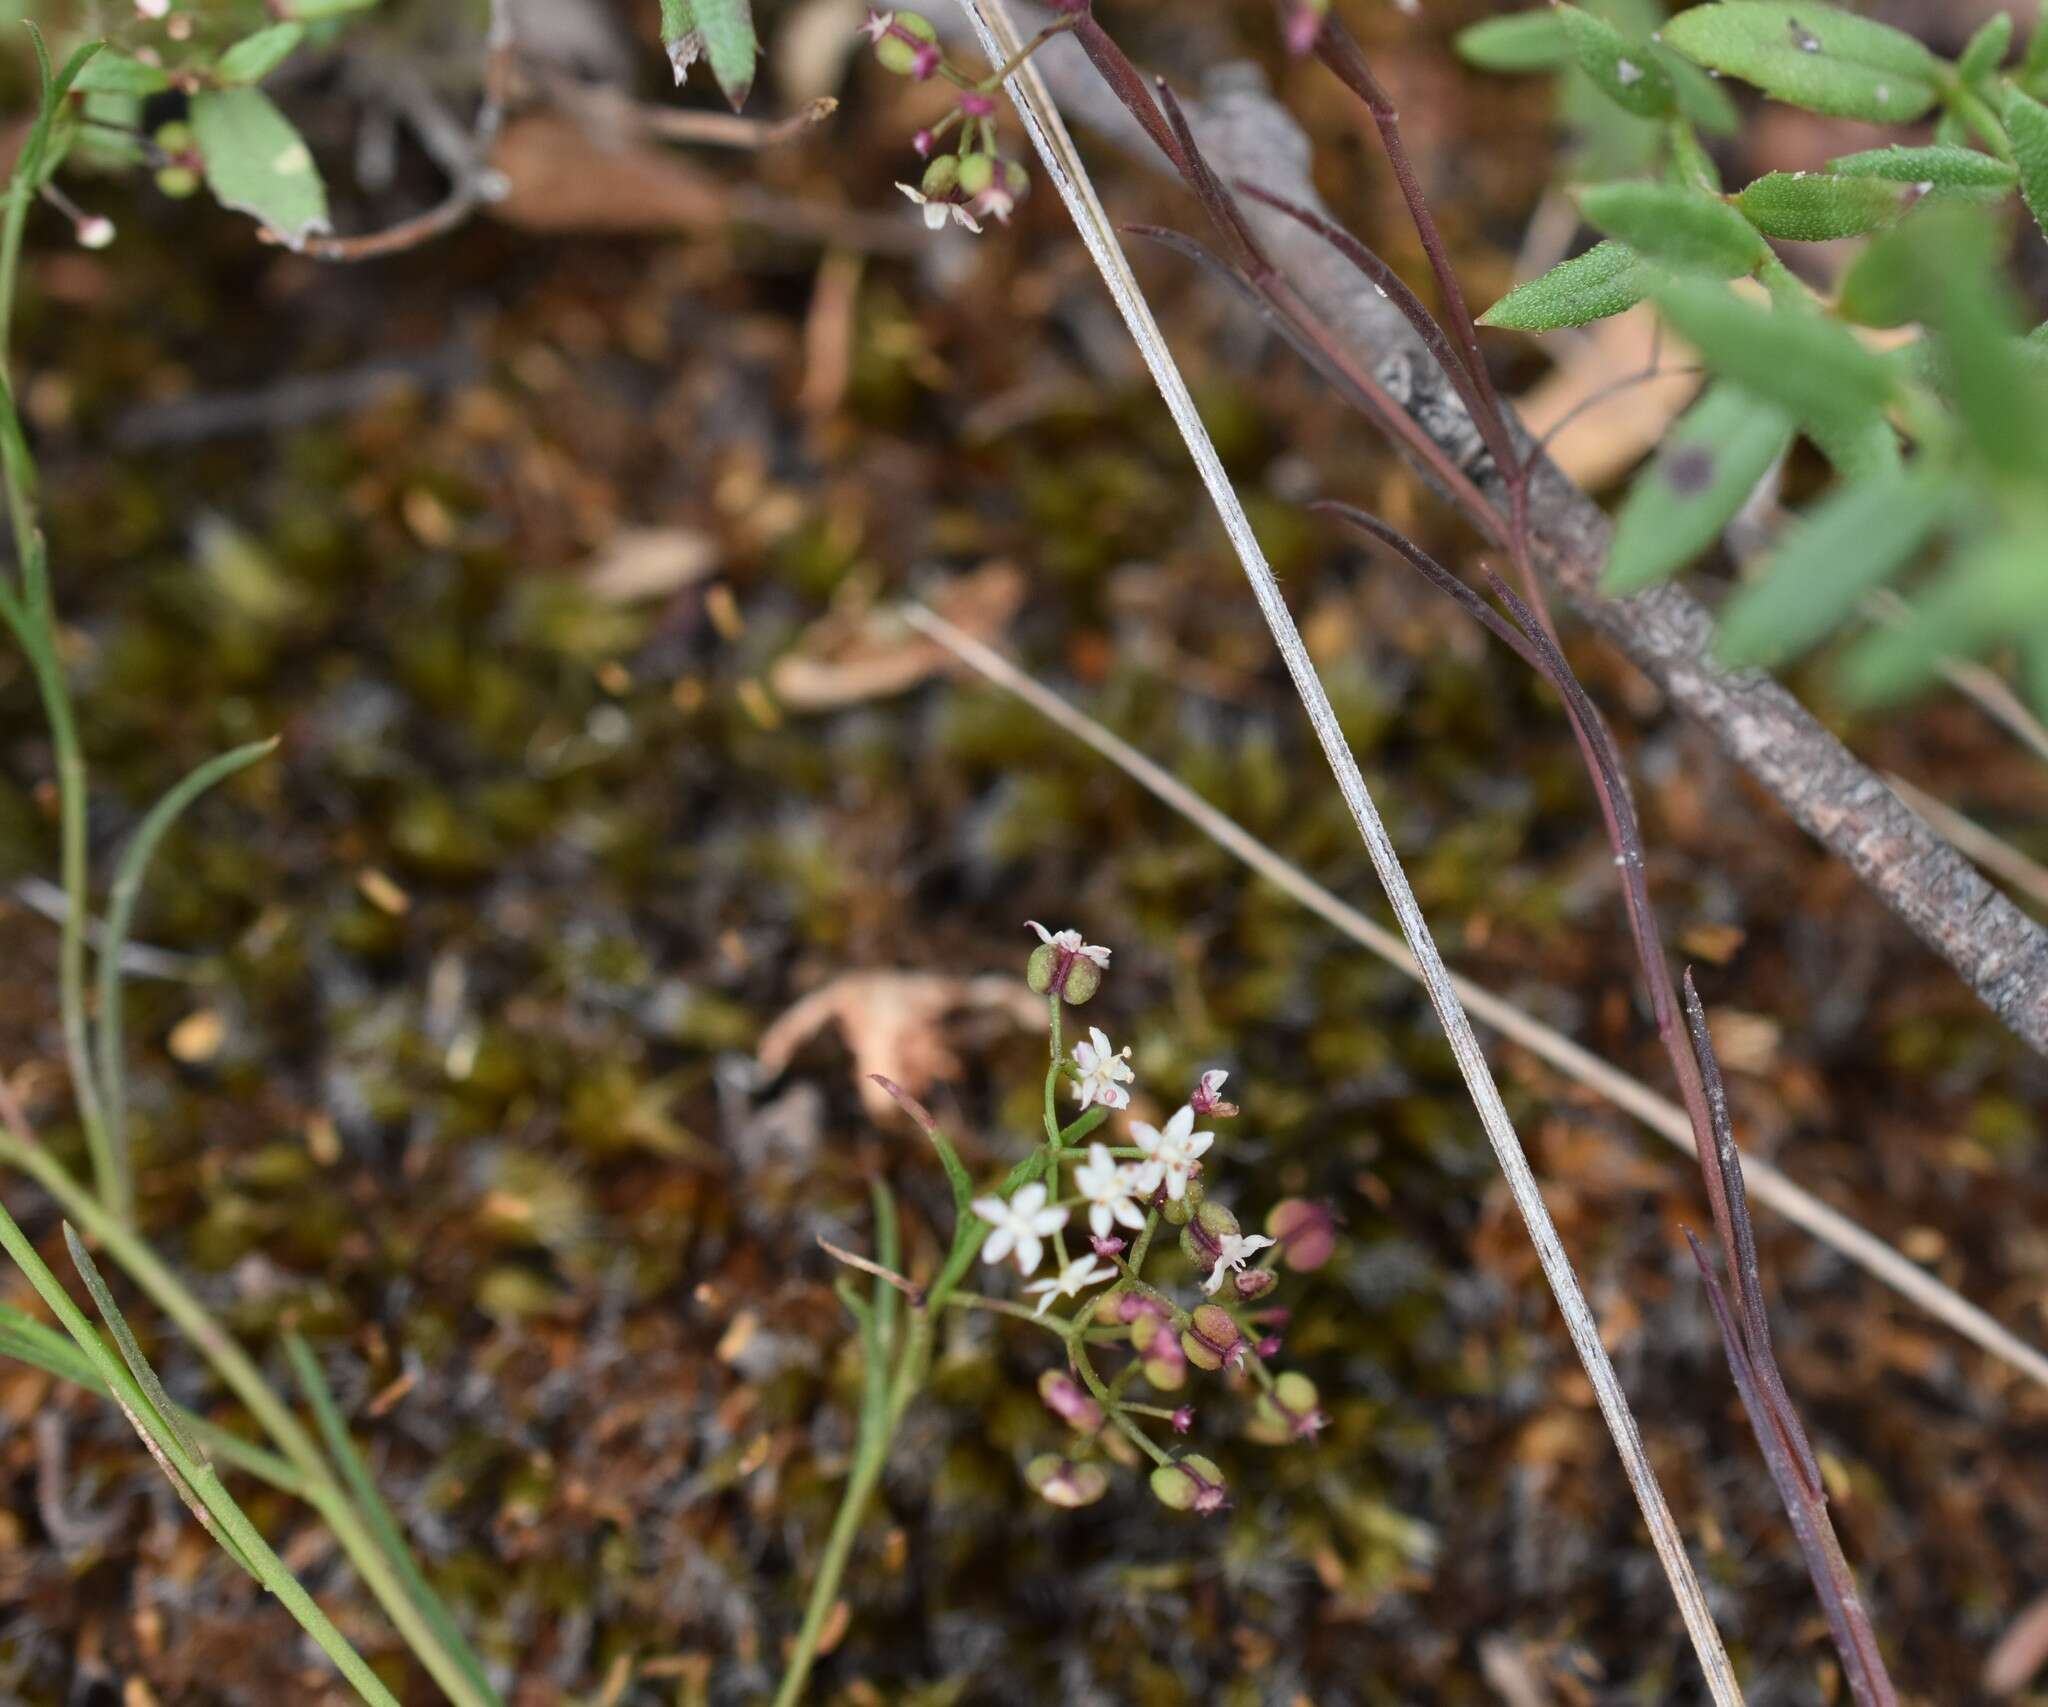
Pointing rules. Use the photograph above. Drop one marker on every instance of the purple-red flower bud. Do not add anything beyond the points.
(1183, 1418)
(1069, 1401)
(1305, 1232)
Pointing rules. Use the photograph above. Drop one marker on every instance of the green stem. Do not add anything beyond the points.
(871, 1456)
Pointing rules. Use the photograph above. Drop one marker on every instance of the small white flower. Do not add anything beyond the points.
(152, 8)
(1170, 1155)
(1082, 1271)
(1104, 1071)
(1019, 1226)
(1069, 942)
(1108, 1186)
(1231, 1254)
(996, 202)
(877, 25)
(936, 213)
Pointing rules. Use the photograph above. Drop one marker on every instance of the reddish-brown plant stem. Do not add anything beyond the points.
(1746, 1332)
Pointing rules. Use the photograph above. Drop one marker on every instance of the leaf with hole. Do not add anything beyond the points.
(1607, 279)
(1675, 226)
(257, 163)
(1845, 547)
(1709, 464)
(1812, 56)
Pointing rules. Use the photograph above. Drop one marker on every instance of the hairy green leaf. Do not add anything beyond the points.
(1985, 51)
(1849, 544)
(254, 58)
(1606, 279)
(1624, 71)
(1991, 591)
(257, 163)
(1811, 207)
(1796, 358)
(1700, 97)
(1676, 226)
(1944, 168)
(1710, 462)
(1521, 41)
(1813, 56)
(721, 32)
(2027, 120)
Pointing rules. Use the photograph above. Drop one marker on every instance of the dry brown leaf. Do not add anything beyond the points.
(1611, 433)
(564, 179)
(2020, 1651)
(646, 563)
(894, 1023)
(857, 652)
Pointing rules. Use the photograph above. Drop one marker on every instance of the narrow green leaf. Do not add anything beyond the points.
(1944, 168)
(1812, 207)
(2032, 74)
(121, 902)
(1858, 448)
(257, 163)
(1813, 56)
(1626, 72)
(1799, 359)
(730, 45)
(124, 1339)
(383, 1524)
(254, 58)
(1985, 51)
(1841, 550)
(1606, 279)
(1710, 463)
(1678, 227)
(112, 73)
(1700, 97)
(1691, 167)
(1989, 592)
(29, 1341)
(1521, 41)
(314, 11)
(2027, 120)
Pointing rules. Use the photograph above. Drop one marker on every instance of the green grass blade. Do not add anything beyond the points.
(121, 902)
(382, 1522)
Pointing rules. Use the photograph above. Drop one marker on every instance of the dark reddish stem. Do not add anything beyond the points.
(1746, 1331)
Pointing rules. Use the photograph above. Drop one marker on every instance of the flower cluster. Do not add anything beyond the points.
(970, 181)
(1157, 1177)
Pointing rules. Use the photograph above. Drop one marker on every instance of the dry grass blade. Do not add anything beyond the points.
(1766, 1183)
(1064, 168)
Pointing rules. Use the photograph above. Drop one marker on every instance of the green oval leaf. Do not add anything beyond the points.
(1677, 226)
(1845, 547)
(1985, 51)
(254, 58)
(1812, 56)
(1625, 72)
(1811, 207)
(2027, 121)
(111, 73)
(1992, 591)
(1522, 41)
(1709, 464)
(1944, 168)
(1606, 279)
(257, 163)
(1805, 363)
(722, 32)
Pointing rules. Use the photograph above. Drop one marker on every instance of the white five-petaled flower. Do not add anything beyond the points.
(1108, 1186)
(1082, 1271)
(1231, 1251)
(1104, 1071)
(936, 213)
(1170, 1155)
(877, 25)
(1019, 1226)
(1069, 942)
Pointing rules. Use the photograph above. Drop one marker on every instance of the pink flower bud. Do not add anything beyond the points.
(924, 62)
(1305, 1232)
(1107, 1249)
(1068, 1401)
(924, 142)
(1208, 1097)
(1183, 1419)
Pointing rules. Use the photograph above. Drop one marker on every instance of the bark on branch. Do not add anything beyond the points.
(2001, 953)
